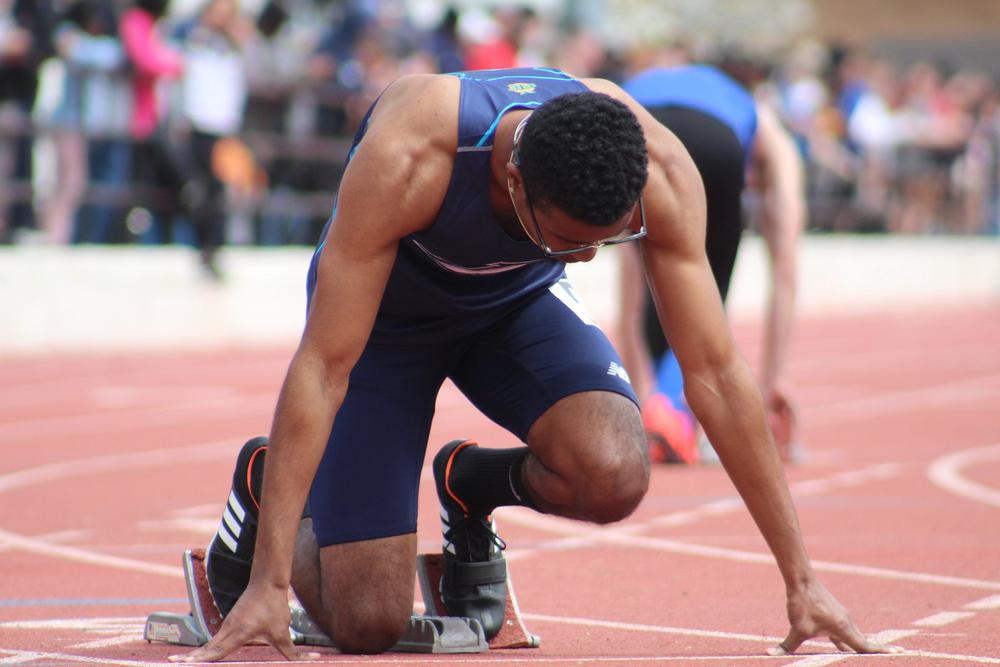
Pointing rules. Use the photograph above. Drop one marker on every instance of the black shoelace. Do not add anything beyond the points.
(476, 535)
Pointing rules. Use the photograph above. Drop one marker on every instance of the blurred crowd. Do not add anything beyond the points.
(227, 122)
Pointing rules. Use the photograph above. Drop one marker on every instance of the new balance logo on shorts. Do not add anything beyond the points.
(616, 369)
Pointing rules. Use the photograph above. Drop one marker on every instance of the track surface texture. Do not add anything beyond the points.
(113, 465)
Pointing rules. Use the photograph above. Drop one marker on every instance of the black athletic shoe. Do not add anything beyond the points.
(474, 578)
(230, 554)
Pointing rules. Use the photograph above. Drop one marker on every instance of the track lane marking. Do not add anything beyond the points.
(943, 618)
(618, 536)
(20, 657)
(944, 473)
(990, 602)
(51, 472)
(97, 423)
(884, 637)
(44, 548)
(934, 397)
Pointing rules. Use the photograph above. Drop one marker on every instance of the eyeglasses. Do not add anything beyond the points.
(624, 236)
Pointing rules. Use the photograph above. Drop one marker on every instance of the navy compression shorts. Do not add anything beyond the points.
(513, 371)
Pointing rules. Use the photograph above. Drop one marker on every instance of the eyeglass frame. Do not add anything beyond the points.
(549, 252)
(542, 244)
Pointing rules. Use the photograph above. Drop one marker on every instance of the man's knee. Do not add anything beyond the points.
(369, 629)
(616, 482)
(367, 592)
(591, 461)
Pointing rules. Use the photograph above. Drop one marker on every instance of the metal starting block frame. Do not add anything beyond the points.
(512, 633)
(433, 633)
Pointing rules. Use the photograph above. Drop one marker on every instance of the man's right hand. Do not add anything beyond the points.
(261, 613)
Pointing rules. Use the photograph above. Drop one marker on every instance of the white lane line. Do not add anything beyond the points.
(884, 637)
(102, 624)
(948, 357)
(104, 422)
(715, 508)
(877, 472)
(335, 658)
(660, 629)
(943, 618)
(817, 660)
(574, 529)
(989, 602)
(110, 641)
(849, 478)
(34, 655)
(44, 548)
(967, 659)
(937, 397)
(101, 464)
(20, 657)
(945, 473)
(61, 536)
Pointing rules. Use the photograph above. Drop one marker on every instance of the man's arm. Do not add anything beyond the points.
(393, 186)
(718, 383)
(779, 177)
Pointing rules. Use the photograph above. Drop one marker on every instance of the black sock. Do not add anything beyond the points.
(489, 478)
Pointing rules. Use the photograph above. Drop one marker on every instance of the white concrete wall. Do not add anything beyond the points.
(135, 298)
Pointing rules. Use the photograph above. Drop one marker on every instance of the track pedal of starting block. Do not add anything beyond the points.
(180, 629)
(442, 634)
(512, 634)
(204, 620)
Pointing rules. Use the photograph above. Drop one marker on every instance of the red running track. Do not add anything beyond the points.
(112, 466)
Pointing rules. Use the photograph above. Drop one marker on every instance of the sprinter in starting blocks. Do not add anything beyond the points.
(435, 632)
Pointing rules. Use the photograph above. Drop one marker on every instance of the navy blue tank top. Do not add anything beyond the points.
(702, 88)
(465, 271)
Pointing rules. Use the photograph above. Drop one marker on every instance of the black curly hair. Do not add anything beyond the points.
(585, 154)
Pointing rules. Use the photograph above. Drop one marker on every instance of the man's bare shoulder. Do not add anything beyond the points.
(422, 107)
(603, 86)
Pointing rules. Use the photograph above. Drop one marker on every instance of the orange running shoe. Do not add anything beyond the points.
(670, 431)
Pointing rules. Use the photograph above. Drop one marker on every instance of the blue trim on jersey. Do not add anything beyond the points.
(496, 121)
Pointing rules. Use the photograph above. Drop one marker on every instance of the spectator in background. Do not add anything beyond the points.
(25, 41)
(107, 111)
(155, 162)
(979, 167)
(500, 39)
(935, 130)
(445, 45)
(214, 87)
(583, 54)
(873, 133)
(85, 47)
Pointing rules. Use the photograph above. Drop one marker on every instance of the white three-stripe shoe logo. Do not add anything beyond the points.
(232, 522)
(445, 527)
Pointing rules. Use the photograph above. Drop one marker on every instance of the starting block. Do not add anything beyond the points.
(512, 633)
(435, 632)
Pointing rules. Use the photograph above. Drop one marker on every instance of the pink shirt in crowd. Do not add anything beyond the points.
(151, 60)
